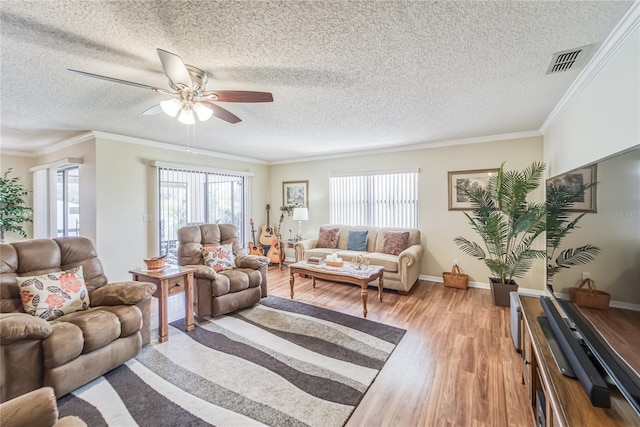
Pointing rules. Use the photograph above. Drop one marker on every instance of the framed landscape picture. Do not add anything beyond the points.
(458, 201)
(295, 193)
(585, 202)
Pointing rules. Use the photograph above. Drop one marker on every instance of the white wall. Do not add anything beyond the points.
(603, 119)
(126, 190)
(438, 225)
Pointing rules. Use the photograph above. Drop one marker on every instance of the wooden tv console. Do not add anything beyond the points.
(565, 402)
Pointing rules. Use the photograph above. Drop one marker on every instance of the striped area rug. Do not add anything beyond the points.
(278, 363)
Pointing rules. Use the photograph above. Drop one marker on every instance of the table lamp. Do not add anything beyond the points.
(300, 214)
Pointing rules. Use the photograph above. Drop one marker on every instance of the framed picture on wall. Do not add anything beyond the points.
(585, 202)
(295, 193)
(458, 201)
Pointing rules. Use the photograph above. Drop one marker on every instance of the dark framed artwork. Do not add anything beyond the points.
(295, 193)
(585, 202)
(458, 201)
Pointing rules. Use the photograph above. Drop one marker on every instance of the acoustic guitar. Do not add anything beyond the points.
(254, 248)
(267, 231)
(276, 252)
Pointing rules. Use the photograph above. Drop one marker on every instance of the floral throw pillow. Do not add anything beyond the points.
(219, 257)
(52, 295)
(328, 238)
(394, 242)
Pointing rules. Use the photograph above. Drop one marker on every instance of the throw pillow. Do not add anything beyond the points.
(394, 242)
(328, 238)
(219, 257)
(357, 240)
(52, 295)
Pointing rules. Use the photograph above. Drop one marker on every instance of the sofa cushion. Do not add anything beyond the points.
(52, 295)
(394, 242)
(238, 280)
(219, 257)
(328, 238)
(99, 327)
(63, 345)
(388, 261)
(255, 278)
(357, 240)
(130, 318)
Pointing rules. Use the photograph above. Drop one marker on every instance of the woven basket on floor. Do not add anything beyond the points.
(455, 279)
(589, 296)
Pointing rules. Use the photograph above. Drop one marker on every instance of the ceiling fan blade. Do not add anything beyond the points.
(156, 109)
(221, 113)
(175, 69)
(111, 79)
(242, 96)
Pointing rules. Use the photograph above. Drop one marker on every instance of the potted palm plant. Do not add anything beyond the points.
(560, 223)
(13, 208)
(507, 225)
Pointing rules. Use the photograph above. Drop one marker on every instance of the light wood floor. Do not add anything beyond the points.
(455, 366)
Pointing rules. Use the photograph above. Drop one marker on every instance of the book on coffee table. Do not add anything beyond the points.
(315, 260)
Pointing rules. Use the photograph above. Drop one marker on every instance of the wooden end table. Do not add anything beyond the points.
(344, 274)
(169, 281)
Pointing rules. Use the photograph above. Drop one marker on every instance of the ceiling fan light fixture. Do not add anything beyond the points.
(171, 106)
(203, 112)
(186, 117)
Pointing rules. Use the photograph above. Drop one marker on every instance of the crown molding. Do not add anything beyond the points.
(627, 25)
(174, 147)
(412, 147)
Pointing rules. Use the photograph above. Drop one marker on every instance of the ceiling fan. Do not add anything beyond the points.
(188, 94)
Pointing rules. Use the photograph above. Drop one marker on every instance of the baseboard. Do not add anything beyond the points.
(531, 292)
(439, 279)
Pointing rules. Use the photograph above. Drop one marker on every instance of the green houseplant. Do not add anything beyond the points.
(13, 209)
(560, 223)
(507, 225)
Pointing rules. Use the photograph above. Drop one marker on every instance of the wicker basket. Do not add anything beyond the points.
(455, 279)
(156, 263)
(589, 296)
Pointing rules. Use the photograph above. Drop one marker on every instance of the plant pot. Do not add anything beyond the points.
(500, 291)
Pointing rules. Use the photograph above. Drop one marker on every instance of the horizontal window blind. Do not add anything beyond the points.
(379, 200)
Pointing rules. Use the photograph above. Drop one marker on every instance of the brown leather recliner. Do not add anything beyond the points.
(217, 293)
(36, 408)
(76, 348)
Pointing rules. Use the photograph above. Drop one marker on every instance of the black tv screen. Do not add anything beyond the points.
(611, 222)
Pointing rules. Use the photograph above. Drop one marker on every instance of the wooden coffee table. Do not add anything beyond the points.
(344, 274)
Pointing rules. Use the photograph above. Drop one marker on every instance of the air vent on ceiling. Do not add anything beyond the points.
(568, 59)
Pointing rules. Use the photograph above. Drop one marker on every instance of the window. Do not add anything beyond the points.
(68, 201)
(190, 197)
(377, 199)
(56, 198)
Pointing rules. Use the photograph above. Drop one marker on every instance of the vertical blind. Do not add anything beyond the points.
(190, 197)
(378, 199)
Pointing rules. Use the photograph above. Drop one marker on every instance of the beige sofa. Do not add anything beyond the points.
(75, 348)
(400, 271)
(217, 293)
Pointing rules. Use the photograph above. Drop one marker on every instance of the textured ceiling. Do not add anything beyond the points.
(345, 75)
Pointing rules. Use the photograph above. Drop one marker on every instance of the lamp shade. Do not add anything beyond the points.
(171, 106)
(300, 214)
(202, 111)
(186, 117)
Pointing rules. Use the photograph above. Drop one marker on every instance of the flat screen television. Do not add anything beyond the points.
(612, 223)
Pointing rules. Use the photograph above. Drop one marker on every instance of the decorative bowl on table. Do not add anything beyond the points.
(155, 263)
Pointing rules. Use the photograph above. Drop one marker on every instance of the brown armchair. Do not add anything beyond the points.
(75, 348)
(221, 292)
(36, 408)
